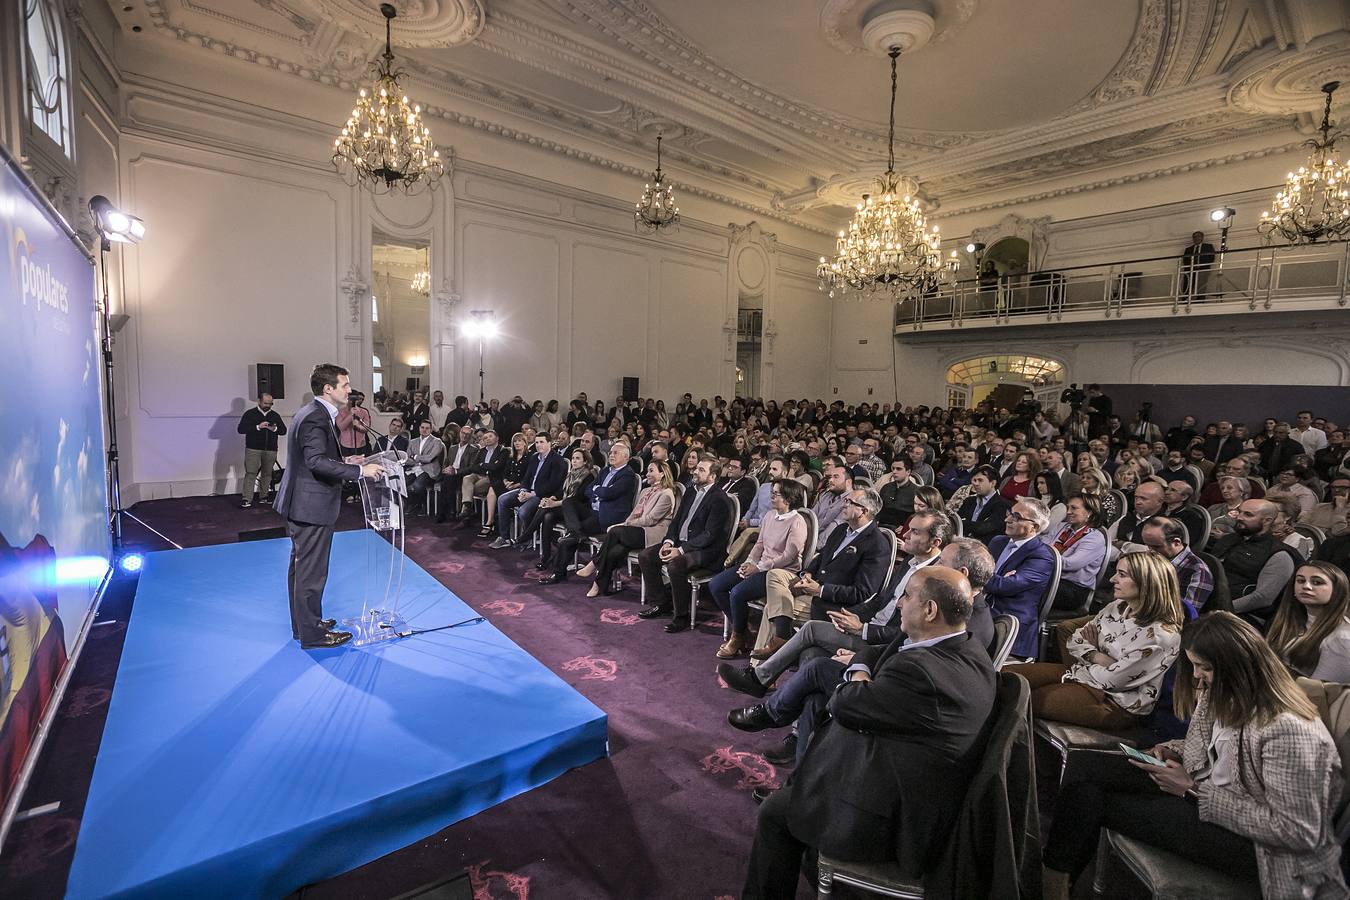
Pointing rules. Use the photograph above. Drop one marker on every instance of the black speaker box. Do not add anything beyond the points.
(630, 389)
(271, 380)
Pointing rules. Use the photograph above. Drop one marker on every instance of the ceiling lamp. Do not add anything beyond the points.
(421, 283)
(1315, 202)
(656, 209)
(385, 145)
(887, 248)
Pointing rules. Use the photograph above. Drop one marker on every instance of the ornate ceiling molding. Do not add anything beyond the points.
(1272, 82)
(420, 23)
(839, 22)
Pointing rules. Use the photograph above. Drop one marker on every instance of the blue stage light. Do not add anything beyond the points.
(132, 562)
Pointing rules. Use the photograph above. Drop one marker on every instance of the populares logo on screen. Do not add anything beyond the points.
(37, 285)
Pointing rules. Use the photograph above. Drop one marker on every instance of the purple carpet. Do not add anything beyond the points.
(669, 814)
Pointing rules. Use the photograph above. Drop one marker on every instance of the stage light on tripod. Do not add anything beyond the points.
(132, 562)
(114, 224)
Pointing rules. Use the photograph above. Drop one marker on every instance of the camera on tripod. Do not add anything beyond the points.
(1073, 396)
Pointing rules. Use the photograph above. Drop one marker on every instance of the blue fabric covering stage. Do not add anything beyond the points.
(235, 764)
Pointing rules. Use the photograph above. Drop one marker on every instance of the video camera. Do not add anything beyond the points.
(1073, 396)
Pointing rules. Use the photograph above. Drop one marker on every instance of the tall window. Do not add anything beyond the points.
(48, 84)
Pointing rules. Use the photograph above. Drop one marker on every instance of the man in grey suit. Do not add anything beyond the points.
(310, 496)
(426, 456)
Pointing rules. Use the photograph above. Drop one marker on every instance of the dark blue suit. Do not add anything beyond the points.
(551, 470)
(309, 497)
(617, 497)
(1018, 586)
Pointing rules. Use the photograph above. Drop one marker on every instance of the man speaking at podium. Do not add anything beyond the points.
(310, 497)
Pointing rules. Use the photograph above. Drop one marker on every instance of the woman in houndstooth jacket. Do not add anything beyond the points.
(1251, 789)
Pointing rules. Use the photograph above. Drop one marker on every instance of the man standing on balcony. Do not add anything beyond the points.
(1196, 260)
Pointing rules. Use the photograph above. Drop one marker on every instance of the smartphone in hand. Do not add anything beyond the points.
(1142, 757)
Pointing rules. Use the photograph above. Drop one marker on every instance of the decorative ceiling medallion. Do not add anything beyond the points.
(422, 23)
(844, 23)
(1281, 82)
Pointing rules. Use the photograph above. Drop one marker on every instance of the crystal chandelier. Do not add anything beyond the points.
(656, 209)
(1315, 202)
(385, 144)
(887, 247)
(421, 283)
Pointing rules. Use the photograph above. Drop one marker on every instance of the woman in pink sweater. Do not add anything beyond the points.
(781, 544)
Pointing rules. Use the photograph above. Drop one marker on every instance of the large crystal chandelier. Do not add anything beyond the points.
(385, 145)
(888, 247)
(421, 283)
(656, 209)
(1315, 202)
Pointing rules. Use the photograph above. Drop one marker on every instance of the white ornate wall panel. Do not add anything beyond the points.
(611, 307)
(800, 352)
(692, 353)
(512, 269)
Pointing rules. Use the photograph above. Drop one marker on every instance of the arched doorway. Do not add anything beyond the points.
(1010, 256)
(978, 378)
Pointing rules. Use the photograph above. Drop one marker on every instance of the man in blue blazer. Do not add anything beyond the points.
(611, 496)
(1023, 567)
(545, 472)
(309, 497)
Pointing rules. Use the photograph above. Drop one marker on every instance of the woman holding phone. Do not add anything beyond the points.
(1250, 790)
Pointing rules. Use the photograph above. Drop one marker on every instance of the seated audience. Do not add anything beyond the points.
(905, 735)
(606, 501)
(1148, 502)
(549, 513)
(781, 544)
(1049, 489)
(734, 482)
(848, 569)
(1082, 547)
(1022, 572)
(836, 483)
(1311, 631)
(1286, 517)
(394, 440)
(1177, 505)
(1169, 538)
(1094, 481)
(1113, 666)
(543, 477)
(1022, 479)
(508, 479)
(1289, 482)
(696, 539)
(645, 526)
(985, 511)
(897, 494)
(487, 464)
(1250, 791)
(426, 455)
(1333, 516)
(1258, 565)
(873, 621)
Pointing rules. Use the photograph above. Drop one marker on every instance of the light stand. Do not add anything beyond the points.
(1224, 217)
(112, 225)
(482, 327)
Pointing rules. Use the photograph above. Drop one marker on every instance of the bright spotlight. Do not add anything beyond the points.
(974, 247)
(114, 224)
(132, 562)
(1222, 213)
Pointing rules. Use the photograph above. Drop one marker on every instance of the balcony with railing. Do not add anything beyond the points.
(1246, 280)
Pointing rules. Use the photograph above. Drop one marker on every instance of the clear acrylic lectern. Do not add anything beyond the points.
(382, 499)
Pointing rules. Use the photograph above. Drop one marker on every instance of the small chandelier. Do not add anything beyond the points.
(887, 247)
(656, 209)
(1315, 202)
(385, 145)
(421, 283)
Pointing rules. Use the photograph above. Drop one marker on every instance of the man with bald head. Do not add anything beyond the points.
(1148, 502)
(886, 774)
(1257, 564)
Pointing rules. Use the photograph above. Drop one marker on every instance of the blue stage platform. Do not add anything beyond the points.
(235, 764)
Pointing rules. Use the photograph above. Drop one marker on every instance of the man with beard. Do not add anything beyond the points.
(1258, 565)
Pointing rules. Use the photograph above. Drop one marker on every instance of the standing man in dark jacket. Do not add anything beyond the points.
(309, 497)
(885, 778)
(260, 427)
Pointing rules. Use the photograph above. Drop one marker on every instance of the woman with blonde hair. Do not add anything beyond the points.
(645, 525)
(1310, 631)
(1250, 791)
(1097, 483)
(1114, 665)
